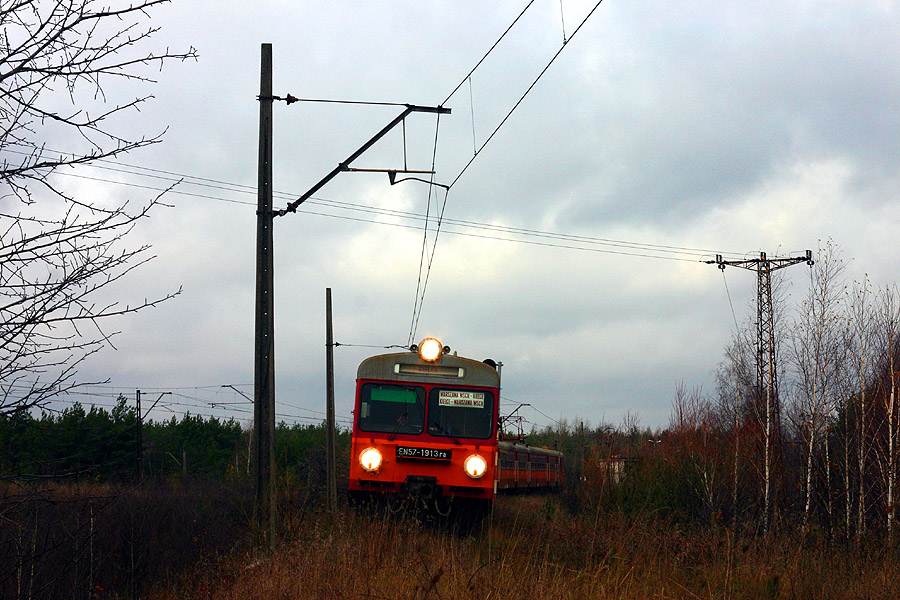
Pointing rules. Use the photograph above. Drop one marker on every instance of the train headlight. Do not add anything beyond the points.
(370, 459)
(475, 466)
(430, 349)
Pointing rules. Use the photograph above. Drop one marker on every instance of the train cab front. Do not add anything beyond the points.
(425, 429)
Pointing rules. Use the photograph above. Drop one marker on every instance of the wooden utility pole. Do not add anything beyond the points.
(264, 351)
(139, 422)
(329, 405)
(264, 512)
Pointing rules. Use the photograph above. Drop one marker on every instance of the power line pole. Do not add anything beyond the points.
(264, 347)
(331, 482)
(139, 418)
(766, 396)
(140, 437)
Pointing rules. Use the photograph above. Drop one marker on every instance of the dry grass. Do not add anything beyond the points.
(530, 549)
(85, 541)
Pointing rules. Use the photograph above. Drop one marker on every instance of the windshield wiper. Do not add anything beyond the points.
(446, 432)
(400, 421)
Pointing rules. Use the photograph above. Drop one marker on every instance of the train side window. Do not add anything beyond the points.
(389, 408)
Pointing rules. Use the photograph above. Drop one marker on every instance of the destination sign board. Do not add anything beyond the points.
(461, 398)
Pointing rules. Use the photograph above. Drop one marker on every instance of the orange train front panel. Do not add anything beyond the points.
(425, 426)
(406, 464)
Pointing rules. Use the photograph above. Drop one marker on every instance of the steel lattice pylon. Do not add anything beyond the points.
(766, 363)
(766, 403)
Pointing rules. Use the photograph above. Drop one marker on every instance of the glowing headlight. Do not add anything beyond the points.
(370, 459)
(475, 466)
(430, 349)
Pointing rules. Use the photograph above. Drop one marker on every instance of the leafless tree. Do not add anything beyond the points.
(888, 335)
(861, 343)
(696, 437)
(845, 439)
(735, 384)
(817, 359)
(62, 64)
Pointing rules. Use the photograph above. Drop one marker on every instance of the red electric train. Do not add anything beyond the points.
(425, 426)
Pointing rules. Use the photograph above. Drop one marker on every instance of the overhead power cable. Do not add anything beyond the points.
(595, 244)
(202, 408)
(737, 328)
(644, 249)
(640, 251)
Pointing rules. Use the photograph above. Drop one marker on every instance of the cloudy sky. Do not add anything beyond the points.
(571, 247)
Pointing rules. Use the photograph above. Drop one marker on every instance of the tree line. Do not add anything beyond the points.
(95, 444)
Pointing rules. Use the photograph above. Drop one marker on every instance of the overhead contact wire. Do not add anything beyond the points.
(420, 298)
(430, 260)
(472, 111)
(325, 101)
(417, 308)
(486, 54)
(527, 91)
(414, 321)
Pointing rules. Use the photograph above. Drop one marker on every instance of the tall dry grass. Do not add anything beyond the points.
(530, 548)
(84, 541)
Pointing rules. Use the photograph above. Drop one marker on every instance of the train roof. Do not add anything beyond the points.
(519, 447)
(409, 366)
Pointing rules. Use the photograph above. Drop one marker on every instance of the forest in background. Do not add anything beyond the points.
(99, 445)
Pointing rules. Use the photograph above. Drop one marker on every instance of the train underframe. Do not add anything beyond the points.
(422, 492)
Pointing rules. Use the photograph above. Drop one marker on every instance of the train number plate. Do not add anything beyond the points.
(427, 453)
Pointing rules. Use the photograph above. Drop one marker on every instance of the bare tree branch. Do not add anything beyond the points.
(61, 256)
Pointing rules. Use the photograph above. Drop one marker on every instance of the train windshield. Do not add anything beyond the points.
(461, 413)
(391, 408)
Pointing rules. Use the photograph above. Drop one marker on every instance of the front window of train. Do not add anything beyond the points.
(390, 408)
(458, 413)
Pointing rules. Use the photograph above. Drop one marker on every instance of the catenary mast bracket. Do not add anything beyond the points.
(345, 165)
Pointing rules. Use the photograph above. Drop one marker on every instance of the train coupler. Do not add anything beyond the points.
(421, 486)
